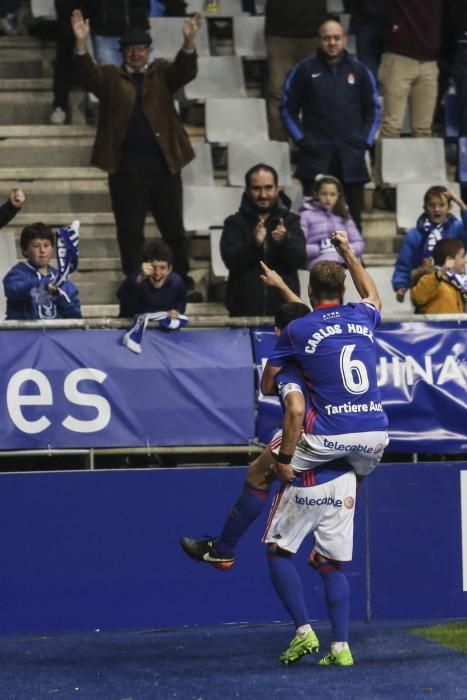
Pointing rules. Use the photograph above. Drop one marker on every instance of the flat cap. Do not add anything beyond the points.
(136, 37)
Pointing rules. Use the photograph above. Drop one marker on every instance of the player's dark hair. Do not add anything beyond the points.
(256, 168)
(157, 250)
(327, 279)
(340, 207)
(434, 191)
(34, 232)
(289, 312)
(446, 248)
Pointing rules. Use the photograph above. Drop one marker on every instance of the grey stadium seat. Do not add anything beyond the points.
(410, 159)
(409, 200)
(167, 37)
(242, 156)
(248, 37)
(208, 207)
(218, 269)
(235, 119)
(218, 76)
(200, 171)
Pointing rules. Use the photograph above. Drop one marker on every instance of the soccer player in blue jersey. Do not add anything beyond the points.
(334, 348)
(261, 473)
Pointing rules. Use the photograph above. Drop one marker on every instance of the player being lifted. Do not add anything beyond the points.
(334, 348)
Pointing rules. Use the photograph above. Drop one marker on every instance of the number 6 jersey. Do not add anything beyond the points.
(334, 347)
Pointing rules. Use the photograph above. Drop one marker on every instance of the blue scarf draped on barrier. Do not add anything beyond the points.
(134, 336)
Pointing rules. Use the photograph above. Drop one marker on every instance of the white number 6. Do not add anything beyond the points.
(353, 372)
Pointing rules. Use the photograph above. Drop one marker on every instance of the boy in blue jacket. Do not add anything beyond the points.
(434, 224)
(29, 286)
(154, 286)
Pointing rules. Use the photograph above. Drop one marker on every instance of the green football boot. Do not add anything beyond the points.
(342, 658)
(298, 647)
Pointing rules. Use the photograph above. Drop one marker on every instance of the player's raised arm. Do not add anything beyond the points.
(272, 279)
(361, 279)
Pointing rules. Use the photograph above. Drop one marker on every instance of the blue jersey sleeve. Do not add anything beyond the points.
(285, 348)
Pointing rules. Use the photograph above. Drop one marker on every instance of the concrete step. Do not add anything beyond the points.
(37, 130)
(45, 131)
(379, 231)
(44, 154)
(24, 85)
(25, 108)
(27, 53)
(24, 41)
(379, 259)
(26, 174)
(51, 197)
(102, 221)
(23, 69)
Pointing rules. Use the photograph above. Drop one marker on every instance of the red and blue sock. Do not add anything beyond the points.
(249, 505)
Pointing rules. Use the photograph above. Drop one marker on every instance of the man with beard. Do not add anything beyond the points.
(263, 229)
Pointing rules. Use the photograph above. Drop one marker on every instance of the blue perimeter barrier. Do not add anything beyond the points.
(81, 388)
(99, 549)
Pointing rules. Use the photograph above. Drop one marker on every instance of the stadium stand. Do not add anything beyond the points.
(200, 171)
(218, 76)
(409, 160)
(248, 37)
(206, 207)
(166, 33)
(242, 155)
(236, 119)
(52, 163)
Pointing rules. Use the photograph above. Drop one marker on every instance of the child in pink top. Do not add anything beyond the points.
(323, 213)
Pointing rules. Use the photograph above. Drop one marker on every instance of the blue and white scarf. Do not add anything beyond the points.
(67, 243)
(433, 234)
(459, 280)
(134, 335)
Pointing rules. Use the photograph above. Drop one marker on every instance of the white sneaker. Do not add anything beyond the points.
(58, 117)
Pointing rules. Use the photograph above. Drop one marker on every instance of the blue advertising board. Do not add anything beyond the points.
(81, 388)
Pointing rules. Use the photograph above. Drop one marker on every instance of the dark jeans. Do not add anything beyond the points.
(64, 52)
(143, 184)
(370, 43)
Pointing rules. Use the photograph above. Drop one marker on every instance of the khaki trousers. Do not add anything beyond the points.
(405, 82)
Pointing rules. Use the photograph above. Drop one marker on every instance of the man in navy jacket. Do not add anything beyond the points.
(331, 110)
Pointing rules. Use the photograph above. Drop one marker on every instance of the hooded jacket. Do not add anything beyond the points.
(434, 292)
(411, 253)
(246, 294)
(318, 223)
(27, 298)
